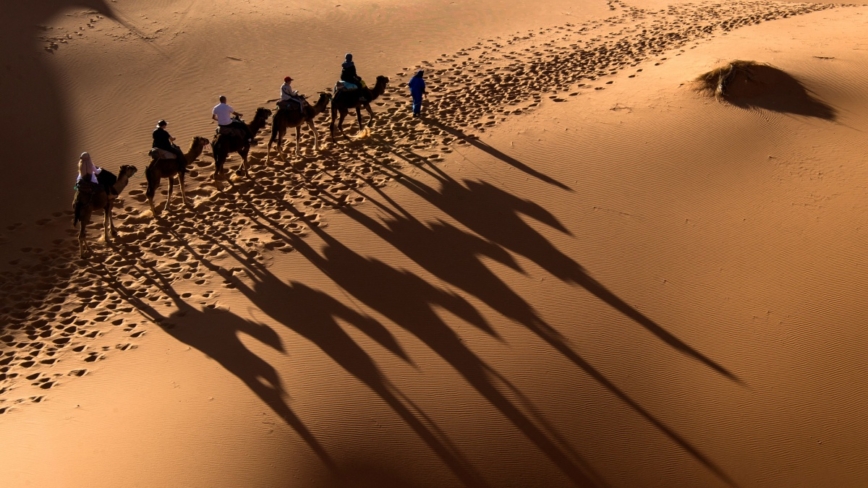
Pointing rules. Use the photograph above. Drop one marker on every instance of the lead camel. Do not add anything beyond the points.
(345, 100)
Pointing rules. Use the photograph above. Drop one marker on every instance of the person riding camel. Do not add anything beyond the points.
(86, 183)
(350, 80)
(87, 171)
(165, 142)
(229, 121)
(289, 96)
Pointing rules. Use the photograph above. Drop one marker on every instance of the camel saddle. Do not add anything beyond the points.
(86, 193)
(293, 103)
(236, 128)
(344, 85)
(157, 153)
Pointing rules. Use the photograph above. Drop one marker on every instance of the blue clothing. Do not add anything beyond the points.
(417, 86)
(417, 104)
(417, 89)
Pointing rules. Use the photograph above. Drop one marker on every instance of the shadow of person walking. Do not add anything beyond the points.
(475, 142)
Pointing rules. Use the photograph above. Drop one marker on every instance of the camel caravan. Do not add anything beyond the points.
(97, 188)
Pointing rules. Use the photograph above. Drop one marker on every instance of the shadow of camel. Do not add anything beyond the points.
(314, 315)
(454, 256)
(215, 333)
(412, 303)
(497, 216)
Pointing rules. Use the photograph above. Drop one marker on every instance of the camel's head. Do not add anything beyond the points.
(324, 97)
(201, 141)
(128, 170)
(382, 80)
(262, 114)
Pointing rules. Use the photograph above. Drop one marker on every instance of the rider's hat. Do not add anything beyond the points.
(287, 79)
(162, 123)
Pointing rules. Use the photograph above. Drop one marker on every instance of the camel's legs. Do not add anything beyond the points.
(169, 196)
(181, 184)
(151, 203)
(218, 167)
(111, 219)
(343, 115)
(315, 136)
(370, 113)
(114, 232)
(106, 221)
(297, 140)
(359, 116)
(246, 171)
(280, 148)
(276, 136)
(83, 248)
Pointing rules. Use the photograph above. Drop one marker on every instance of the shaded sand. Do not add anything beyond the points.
(578, 270)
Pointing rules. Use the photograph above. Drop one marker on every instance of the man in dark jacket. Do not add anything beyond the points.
(164, 141)
(348, 72)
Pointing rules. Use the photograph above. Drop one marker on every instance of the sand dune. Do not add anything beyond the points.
(578, 269)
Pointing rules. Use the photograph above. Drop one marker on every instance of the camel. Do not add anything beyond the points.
(291, 117)
(168, 168)
(86, 203)
(223, 144)
(343, 101)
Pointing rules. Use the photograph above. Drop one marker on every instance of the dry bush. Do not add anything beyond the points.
(718, 80)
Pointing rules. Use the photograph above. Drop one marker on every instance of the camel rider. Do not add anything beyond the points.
(224, 114)
(289, 96)
(87, 171)
(349, 78)
(164, 141)
(86, 184)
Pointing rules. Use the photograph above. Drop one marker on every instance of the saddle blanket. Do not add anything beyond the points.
(157, 153)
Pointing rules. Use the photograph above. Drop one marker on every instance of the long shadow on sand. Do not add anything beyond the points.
(475, 142)
(215, 333)
(314, 315)
(413, 304)
(407, 299)
(496, 216)
(454, 256)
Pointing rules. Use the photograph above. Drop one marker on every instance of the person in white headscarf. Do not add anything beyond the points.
(86, 169)
(86, 184)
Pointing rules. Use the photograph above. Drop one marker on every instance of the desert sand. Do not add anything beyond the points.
(581, 266)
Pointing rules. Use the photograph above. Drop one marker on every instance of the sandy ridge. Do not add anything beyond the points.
(58, 310)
